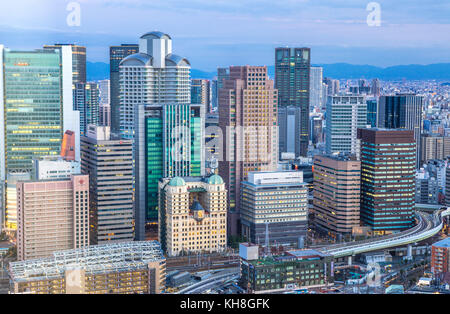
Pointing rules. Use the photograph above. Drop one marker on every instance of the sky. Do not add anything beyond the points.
(237, 32)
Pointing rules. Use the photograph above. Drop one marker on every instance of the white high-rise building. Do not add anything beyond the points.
(153, 76)
(316, 88)
(345, 115)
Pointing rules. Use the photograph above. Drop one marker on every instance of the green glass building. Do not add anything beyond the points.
(168, 143)
(32, 108)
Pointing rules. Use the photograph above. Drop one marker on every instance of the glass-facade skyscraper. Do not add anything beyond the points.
(116, 55)
(292, 80)
(155, 75)
(387, 179)
(402, 111)
(86, 100)
(168, 143)
(35, 110)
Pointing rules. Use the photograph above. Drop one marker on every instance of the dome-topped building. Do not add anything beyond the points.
(176, 182)
(215, 180)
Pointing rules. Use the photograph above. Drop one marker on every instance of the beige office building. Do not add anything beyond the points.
(120, 268)
(108, 160)
(337, 189)
(52, 216)
(192, 215)
(434, 147)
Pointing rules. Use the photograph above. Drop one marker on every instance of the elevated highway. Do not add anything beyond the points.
(428, 226)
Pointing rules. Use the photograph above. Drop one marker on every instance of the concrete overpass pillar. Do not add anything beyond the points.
(409, 256)
(350, 261)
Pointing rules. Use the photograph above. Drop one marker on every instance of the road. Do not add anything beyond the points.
(427, 227)
(212, 282)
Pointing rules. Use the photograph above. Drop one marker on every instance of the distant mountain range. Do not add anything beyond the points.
(441, 71)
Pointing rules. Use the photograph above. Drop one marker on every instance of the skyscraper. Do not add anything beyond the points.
(86, 100)
(201, 93)
(372, 107)
(292, 80)
(345, 114)
(153, 76)
(168, 142)
(376, 87)
(109, 163)
(387, 179)
(289, 121)
(337, 190)
(78, 61)
(248, 119)
(116, 55)
(402, 111)
(35, 107)
(316, 87)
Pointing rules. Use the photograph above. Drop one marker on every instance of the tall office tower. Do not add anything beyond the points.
(109, 163)
(427, 189)
(116, 55)
(54, 168)
(372, 107)
(201, 93)
(388, 160)
(433, 147)
(78, 61)
(402, 111)
(317, 129)
(213, 135)
(192, 215)
(153, 76)
(35, 106)
(275, 207)
(104, 110)
(214, 94)
(333, 86)
(376, 87)
(104, 115)
(345, 114)
(292, 80)
(316, 87)
(222, 75)
(337, 189)
(248, 119)
(104, 92)
(125, 268)
(86, 100)
(289, 121)
(168, 142)
(52, 215)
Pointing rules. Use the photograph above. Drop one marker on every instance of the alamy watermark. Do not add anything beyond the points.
(374, 17)
(74, 16)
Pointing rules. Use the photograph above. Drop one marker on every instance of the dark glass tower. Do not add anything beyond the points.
(387, 179)
(86, 99)
(292, 79)
(402, 111)
(116, 55)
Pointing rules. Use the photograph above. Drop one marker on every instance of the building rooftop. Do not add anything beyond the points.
(443, 243)
(95, 259)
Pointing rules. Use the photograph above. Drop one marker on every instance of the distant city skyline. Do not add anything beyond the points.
(220, 33)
